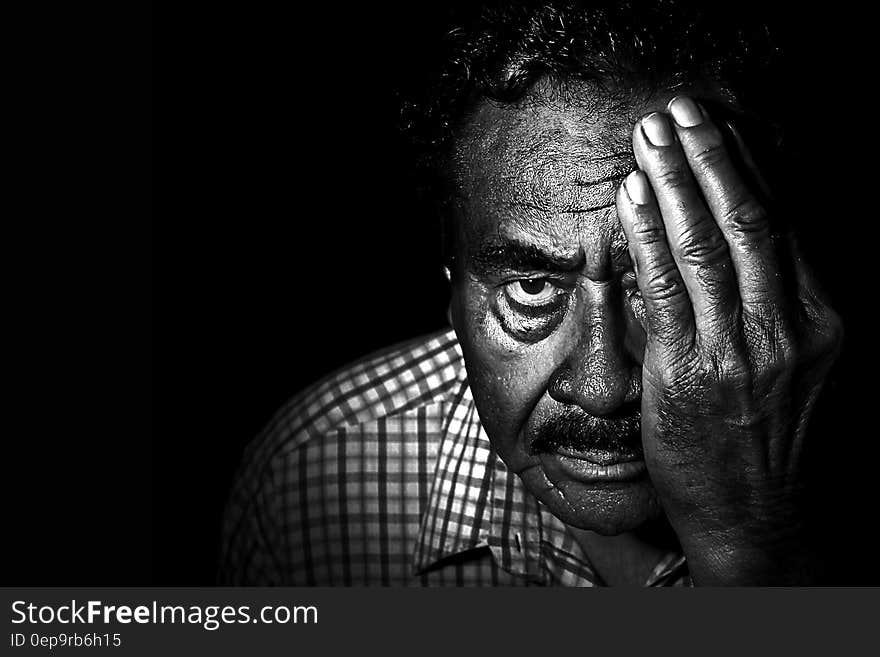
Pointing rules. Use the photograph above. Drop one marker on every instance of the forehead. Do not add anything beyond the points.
(545, 169)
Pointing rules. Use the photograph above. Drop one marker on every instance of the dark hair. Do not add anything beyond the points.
(499, 50)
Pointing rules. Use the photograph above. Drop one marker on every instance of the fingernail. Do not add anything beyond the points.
(657, 130)
(686, 112)
(637, 187)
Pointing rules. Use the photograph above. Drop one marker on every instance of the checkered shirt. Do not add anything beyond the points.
(382, 475)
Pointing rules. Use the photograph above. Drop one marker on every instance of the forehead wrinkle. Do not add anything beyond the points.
(539, 169)
(551, 162)
(561, 184)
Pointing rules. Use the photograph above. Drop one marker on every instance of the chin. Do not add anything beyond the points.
(608, 508)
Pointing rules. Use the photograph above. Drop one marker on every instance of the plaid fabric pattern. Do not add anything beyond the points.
(382, 474)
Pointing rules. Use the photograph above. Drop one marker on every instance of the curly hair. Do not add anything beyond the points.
(498, 51)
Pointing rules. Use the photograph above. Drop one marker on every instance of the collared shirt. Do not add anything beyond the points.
(382, 474)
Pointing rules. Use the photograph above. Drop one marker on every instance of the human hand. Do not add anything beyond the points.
(734, 360)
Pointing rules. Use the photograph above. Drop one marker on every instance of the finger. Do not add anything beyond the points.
(696, 242)
(742, 216)
(668, 309)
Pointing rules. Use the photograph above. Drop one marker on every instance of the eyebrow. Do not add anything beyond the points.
(505, 255)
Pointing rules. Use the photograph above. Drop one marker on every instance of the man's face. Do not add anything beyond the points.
(546, 307)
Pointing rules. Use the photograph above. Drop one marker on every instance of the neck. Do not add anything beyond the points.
(629, 558)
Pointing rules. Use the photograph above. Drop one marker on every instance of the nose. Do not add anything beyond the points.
(598, 373)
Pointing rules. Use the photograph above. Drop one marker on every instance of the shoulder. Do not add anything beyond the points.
(404, 376)
(377, 416)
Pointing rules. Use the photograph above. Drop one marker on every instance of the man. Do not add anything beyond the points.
(636, 349)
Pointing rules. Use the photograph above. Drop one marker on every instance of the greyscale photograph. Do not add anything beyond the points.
(453, 294)
(476, 296)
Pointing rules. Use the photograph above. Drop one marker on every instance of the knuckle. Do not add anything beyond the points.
(702, 247)
(648, 231)
(710, 157)
(673, 178)
(728, 368)
(773, 345)
(747, 216)
(664, 283)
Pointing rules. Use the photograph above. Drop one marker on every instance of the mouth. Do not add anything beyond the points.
(598, 465)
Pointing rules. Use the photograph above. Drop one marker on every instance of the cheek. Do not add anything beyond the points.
(507, 378)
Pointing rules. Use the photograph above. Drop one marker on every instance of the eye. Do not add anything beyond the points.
(532, 291)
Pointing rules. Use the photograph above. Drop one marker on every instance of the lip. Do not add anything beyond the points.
(599, 465)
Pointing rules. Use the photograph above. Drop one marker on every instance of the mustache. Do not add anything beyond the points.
(575, 430)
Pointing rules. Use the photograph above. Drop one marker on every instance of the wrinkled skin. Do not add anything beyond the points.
(664, 295)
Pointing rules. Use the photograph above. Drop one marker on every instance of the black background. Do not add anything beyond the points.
(151, 342)
(313, 251)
